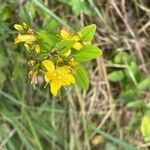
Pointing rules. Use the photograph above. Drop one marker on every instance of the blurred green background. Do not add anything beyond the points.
(105, 117)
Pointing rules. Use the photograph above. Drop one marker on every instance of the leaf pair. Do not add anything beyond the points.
(87, 53)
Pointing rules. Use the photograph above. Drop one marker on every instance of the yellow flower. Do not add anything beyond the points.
(33, 76)
(18, 27)
(57, 77)
(67, 36)
(77, 46)
(28, 39)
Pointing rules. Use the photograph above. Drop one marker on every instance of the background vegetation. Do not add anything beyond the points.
(106, 116)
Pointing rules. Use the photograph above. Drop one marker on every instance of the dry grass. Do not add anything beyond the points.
(39, 121)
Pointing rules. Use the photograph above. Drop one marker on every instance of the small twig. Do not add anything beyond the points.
(103, 121)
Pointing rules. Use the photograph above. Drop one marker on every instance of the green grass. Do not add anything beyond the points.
(31, 119)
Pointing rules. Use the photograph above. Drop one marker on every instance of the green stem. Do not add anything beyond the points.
(44, 8)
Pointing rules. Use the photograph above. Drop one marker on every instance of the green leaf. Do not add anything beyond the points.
(144, 84)
(5, 11)
(131, 71)
(24, 15)
(78, 6)
(51, 25)
(48, 39)
(136, 104)
(122, 58)
(116, 76)
(133, 67)
(4, 30)
(88, 32)
(82, 78)
(87, 53)
(127, 96)
(64, 45)
(2, 77)
(30, 9)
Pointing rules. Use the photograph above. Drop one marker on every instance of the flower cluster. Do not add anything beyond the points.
(54, 56)
(27, 36)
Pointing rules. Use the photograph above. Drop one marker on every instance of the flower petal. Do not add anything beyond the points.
(25, 38)
(48, 76)
(55, 86)
(63, 70)
(76, 38)
(49, 65)
(18, 27)
(77, 46)
(68, 79)
(64, 34)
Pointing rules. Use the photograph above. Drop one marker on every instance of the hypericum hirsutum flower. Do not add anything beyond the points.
(57, 76)
(21, 28)
(28, 39)
(26, 35)
(65, 35)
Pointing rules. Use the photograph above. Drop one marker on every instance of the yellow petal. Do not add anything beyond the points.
(75, 37)
(37, 48)
(25, 38)
(68, 79)
(48, 76)
(64, 34)
(63, 70)
(67, 53)
(55, 86)
(77, 46)
(49, 65)
(18, 27)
